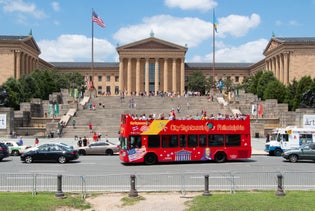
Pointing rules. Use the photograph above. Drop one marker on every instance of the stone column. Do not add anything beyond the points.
(281, 68)
(129, 77)
(286, 68)
(18, 64)
(278, 67)
(174, 75)
(121, 75)
(22, 71)
(182, 77)
(138, 76)
(165, 76)
(274, 64)
(147, 76)
(156, 76)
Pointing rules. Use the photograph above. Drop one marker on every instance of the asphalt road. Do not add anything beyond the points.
(102, 165)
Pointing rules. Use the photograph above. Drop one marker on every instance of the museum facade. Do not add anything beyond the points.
(153, 65)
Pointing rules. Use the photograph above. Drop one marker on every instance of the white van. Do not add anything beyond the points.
(290, 137)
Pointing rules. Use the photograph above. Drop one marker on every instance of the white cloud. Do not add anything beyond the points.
(71, 47)
(55, 6)
(20, 6)
(182, 31)
(249, 52)
(203, 5)
(237, 25)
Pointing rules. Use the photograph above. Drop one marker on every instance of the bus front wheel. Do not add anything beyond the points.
(220, 157)
(150, 159)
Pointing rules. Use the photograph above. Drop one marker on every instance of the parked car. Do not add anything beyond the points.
(50, 152)
(15, 149)
(305, 152)
(4, 151)
(99, 148)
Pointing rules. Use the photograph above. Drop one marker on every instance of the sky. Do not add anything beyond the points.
(63, 29)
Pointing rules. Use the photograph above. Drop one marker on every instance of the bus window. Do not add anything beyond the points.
(153, 141)
(233, 140)
(182, 140)
(135, 142)
(215, 140)
(169, 141)
(174, 141)
(192, 141)
(123, 142)
(165, 141)
(202, 140)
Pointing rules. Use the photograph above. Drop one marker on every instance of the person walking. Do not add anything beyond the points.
(85, 141)
(73, 123)
(36, 142)
(90, 127)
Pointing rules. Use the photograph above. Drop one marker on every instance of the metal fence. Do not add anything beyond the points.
(185, 182)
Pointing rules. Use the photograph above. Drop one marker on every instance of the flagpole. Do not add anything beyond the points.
(92, 63)
(213, 48)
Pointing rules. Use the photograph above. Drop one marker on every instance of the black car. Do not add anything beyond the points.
(4, 151)
(50, 152)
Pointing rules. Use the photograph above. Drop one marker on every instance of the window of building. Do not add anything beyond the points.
(99, 90)
(107, 89)
(99, 78)
(116, 90)
(108, 78)
(237, 79)
(116, 78)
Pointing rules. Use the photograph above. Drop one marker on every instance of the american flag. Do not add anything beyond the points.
(97, 19)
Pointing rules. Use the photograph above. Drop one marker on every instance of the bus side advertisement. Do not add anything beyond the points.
(152, 141)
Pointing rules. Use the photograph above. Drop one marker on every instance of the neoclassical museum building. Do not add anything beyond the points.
(153, 65)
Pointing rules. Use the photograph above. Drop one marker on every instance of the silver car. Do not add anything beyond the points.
(305, 152)
(99, 148)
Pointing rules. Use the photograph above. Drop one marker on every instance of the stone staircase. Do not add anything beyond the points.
(106, 116)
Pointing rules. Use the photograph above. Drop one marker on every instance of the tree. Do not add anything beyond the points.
(275, 90)
(39, 84)
(266, 78)
(197, 82)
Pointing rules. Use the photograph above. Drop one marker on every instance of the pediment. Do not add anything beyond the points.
(273, 43)
(152, 44)
(29, 41)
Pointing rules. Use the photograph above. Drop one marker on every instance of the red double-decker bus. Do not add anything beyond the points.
(153, 141)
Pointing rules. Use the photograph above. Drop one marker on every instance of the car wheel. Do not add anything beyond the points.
(150, 159)
(62, 159)
(82, 152)
(109, 152)
(15, 153)
(277, 152)
(220, 157)
(293, 158)
(28, 159)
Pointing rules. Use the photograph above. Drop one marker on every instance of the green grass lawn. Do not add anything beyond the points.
(260, 200)
(293, 200)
